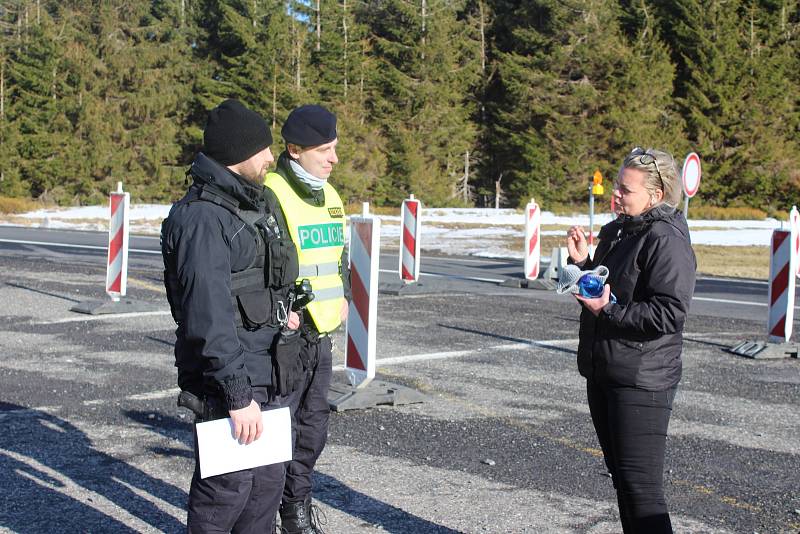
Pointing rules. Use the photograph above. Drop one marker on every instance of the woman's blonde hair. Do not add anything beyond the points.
(661, 173)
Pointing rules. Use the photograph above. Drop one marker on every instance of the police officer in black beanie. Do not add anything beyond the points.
(312, 213)
(214, 245)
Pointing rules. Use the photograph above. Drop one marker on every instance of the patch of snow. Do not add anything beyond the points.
(493, 233)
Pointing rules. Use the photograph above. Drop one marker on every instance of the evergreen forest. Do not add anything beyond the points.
(460, 102)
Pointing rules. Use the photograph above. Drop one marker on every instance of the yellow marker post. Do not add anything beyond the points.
(596, 188)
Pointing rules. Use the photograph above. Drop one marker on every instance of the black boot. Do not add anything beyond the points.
(301, 518)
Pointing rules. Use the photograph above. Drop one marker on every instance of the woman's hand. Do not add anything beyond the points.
(577, 246)
(596, 304)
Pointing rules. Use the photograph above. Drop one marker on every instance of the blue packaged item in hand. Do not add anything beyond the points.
(588, 284)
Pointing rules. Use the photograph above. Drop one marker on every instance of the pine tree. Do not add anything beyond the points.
(574, 95)
(708, 36)
(35, 92)
(764, 161)
(11, 183)
(428, 69)
(255, 52)
(342, 73)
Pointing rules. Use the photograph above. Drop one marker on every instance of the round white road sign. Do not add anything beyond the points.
(691, 174)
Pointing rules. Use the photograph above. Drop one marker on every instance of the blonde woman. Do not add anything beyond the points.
(630, 350)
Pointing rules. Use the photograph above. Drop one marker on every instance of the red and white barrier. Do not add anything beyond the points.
(794, 224)
(410, 226)
(781, 286)
(117, 265)
(533, 246)
(365, 248)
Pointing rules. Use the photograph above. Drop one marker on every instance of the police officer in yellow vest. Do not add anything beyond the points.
(312, 213)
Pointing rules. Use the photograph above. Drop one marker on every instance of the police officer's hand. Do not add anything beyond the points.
(345, 309)
(247, 424)
(294, 321)
(577, 246)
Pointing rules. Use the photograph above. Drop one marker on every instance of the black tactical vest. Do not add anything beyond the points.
(260, 291)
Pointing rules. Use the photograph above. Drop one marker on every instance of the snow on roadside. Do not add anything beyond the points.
(463, 231)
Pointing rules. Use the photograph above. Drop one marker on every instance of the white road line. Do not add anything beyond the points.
(84, 318)
(150, 395)
(725, 301)
(545, 344)
(736, 280)
(743, 302)
(455, 276)
(69, 245)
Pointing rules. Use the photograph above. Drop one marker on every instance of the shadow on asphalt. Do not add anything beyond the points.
(54, 480)
(370, 510)
(42, 292)
(327, 489)
(506, 338)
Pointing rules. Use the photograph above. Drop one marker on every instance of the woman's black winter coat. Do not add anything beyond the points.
(637, 341)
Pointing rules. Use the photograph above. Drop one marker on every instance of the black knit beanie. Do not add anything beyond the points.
(234, 133)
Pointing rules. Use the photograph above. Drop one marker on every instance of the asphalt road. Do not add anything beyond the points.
(717, 297)
(92, 440)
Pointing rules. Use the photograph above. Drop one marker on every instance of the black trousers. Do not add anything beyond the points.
(241, 502)
(631, 425)
(310, 415)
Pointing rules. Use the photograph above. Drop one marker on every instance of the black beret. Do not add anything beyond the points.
(234, 133)
(310, 125)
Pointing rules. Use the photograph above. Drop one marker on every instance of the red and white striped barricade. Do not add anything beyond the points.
(781, 286)
(794, 224)
(117, 265)
(410, 226)
(365, 248)
(533, 246)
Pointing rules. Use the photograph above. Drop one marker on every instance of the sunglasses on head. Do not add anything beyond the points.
(646, 157)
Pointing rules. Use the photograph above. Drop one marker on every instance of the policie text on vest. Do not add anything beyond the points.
(321, 235)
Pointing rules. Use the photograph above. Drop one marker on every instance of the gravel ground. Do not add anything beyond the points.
(93, 441)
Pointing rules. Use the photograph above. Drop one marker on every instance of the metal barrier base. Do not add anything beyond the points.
(762, 350)
(539, 283)
(123, 305)
(398, 289)
(343, 397)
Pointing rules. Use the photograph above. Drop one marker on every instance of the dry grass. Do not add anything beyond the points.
(727, 261)
(10, 205)
(738, 262)
(726, 214)
(356, 209)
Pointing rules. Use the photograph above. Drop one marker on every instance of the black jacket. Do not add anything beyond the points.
(202, 244)
(637, 341)
(312, 197)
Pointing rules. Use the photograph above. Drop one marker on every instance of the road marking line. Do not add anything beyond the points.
(68, 245)
(736, 280)
(705, 490)
(545, 344)
(726, 301)
(743, 302)
(454, 276)
(104, 316)
(150, 395)
(146, 285)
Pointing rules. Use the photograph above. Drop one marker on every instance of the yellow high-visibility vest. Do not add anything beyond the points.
(318, 234)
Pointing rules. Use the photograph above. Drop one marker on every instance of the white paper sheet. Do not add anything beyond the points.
(220, 453)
